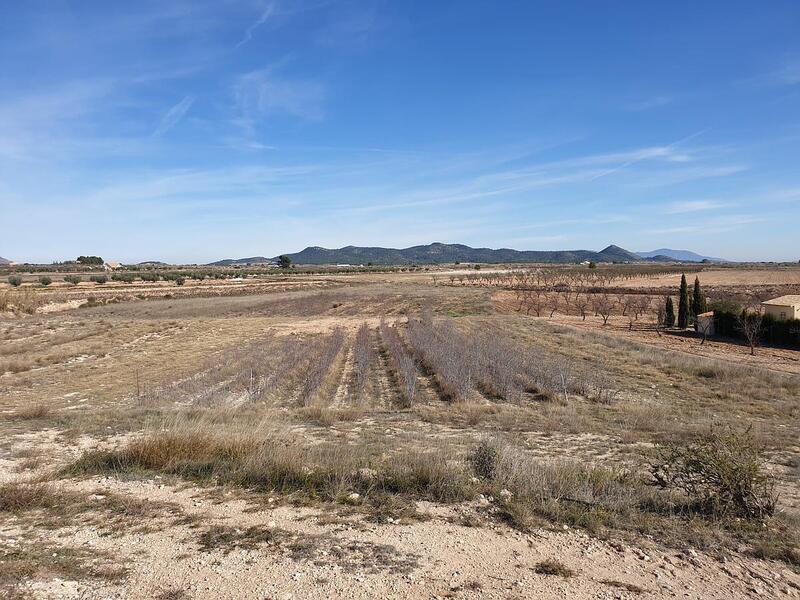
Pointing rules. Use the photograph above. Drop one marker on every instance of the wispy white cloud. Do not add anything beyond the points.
(263, 93)
(173, 116)
(663, 152)
(689, 206)
(263, 18)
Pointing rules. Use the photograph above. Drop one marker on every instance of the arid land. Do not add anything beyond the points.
(405, 434)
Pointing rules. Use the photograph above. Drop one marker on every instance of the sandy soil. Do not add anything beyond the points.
(430, 560)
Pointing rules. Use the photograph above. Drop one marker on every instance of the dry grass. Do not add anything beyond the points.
(23, 562)
(248, 458)
(39, 410)
(50, 506)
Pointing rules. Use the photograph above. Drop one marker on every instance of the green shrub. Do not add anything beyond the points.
(45, 280)
(15, 280)
(179, 280)
(99, 279)
(73, 279)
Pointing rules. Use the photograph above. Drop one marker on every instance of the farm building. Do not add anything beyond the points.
(111, 265)
(783, 308)
(704, 323)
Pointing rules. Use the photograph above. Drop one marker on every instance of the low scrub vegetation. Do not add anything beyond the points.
(363, 357)
(720, 475)
(401, 363)
(499, 368)
(527, 491)
(248, 458)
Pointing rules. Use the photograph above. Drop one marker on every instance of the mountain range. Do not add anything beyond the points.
(446, 253)
(680, 255)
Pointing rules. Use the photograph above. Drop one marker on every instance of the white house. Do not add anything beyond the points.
(783, 308)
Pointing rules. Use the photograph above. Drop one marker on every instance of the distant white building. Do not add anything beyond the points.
(111, 265)
(783, 308)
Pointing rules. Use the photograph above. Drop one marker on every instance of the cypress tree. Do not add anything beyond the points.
(669, 313)
(698, 299)
(683, 304)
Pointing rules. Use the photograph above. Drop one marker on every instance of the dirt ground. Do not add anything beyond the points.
(98, 378)
(729, 276)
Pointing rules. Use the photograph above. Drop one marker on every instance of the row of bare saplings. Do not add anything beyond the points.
(579, 278)
(535, 301)
(461, 362)
(268, 369)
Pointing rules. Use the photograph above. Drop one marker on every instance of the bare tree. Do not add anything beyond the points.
(552, 304)
(750, 322)
(660, 316)
(603, 305)
(582, 303)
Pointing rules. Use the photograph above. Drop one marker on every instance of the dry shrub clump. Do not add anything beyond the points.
(39, 410)
(552, 566)
(720, 475)
(562, 491)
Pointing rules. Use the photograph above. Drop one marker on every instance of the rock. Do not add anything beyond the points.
(506, 494)
(353, 498)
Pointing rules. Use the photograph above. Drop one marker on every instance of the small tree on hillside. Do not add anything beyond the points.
(284, 262)
(683, 304)
(669, 313)
(699, 305)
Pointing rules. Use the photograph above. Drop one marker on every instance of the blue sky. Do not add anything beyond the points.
(193, 131)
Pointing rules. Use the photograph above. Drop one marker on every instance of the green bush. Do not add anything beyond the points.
(99, 279)
(15, 280)
(45, 280)
(73, 279)
(179, 280)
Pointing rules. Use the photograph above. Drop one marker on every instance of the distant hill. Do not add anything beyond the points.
(152, 263)
(253, 260)
(440, 253)
(4, 261)
(680, 255)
